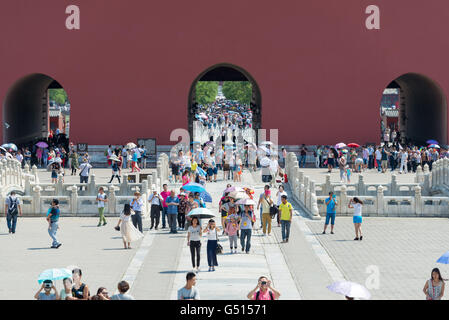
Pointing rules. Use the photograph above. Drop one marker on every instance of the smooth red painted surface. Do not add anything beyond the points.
(129, 69)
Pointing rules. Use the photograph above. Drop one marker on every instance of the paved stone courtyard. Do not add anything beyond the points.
(403, 249)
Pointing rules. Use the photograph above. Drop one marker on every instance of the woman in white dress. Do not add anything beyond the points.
(129, 232)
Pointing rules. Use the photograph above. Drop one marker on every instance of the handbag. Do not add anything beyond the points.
(219, 249)
(117, 228)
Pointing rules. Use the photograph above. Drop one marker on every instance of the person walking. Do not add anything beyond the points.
(74, 164)
(172, 211)
(286, 211)
(189, 291)
(123, 288)
(12, 210)
(266, 203)
(155, 213)
(281, 192)
(137, 204)
(84, 171)
(331, 203)
(101, 200)
(403, 156)
(245, 227)
(231, 230)
(263, 291)
(342, 166)
(53, 222)
(434, 287)
(164, 194)
(357, 204)
(194, 234)
(212, 240)
(182, 209)
(128, 229)
(115, 168)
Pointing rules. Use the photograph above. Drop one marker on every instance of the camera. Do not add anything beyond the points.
(263, 283)
(48, 284)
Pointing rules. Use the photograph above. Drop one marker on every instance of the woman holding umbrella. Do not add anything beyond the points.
(331, 156)
(194, 234)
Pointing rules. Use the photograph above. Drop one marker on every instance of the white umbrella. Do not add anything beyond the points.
(350, 289)
(247, 201)
(114, 158)
(265, 162)
(265, 149)
(267, 142)
(130, 145)
(238, 195)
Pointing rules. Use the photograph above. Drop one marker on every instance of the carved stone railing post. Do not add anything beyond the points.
(59, 186)
(380, 200)
(124, 187)
(418, 201)
(343, 203)
(73, 199)
(112, 203)
(91, 186)
(37, 200)
(361, 186)
(27, 185)
(394, 190)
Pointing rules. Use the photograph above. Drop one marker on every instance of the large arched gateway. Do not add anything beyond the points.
(225, 72)
(419, 109)
(27, 115)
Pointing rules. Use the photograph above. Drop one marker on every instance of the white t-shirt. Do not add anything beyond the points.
(357, 209)
(279, 201)
(83, 170)
(194, 233)
(378, 155)
(212, 234)
(404, 157)
(103, 197)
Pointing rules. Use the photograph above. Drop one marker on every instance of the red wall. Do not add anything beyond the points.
(129, 69)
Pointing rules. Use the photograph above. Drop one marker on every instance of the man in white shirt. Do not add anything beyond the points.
(404, 157)
(379, 160)
(84, 171)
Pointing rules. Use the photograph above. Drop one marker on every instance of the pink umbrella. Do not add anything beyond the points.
(232, 189)
(340, 145)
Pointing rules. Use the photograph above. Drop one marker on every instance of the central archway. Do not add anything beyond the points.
(225, 72)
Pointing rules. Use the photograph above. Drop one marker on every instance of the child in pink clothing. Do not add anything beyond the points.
(231, 230)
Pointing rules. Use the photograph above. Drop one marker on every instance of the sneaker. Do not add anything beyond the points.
(243, 249)
(247, 252)
(210, 269)
(332, 232)
(58, 245)
(356, 238)
(286, 240)
(324, 232)
(98, 225)
(104, 223)
(361, 237)
(53, 247)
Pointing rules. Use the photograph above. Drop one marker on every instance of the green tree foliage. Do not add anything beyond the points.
(238, 90)
(58, 95)
(206, 91)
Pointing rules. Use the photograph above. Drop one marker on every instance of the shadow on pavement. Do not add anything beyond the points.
(174, 271)
(46, 248)
(111, 249)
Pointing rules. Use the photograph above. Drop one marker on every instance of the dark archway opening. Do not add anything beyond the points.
(415, 107)
(34, 106)
(221, 73)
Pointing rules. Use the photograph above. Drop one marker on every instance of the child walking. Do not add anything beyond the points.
(231, 229)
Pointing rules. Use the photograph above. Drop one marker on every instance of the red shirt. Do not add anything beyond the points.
(165, 195)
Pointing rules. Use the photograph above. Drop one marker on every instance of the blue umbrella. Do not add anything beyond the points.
(10, 146)
(194, 187)
(201, 172)
(444, 258)
(432, 142)
(54, 274)
(193, 142)
(206, 197)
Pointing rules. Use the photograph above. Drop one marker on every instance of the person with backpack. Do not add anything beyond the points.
(263, 291)
(12, 210)
(84, 171)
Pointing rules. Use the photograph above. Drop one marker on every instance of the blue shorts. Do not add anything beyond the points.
(365, 161)
(330, 216)
(357, 219)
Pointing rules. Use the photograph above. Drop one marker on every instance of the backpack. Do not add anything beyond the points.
(12, 208)
(258, 294)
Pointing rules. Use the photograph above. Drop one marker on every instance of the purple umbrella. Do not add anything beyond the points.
(340, 145)
(42, 144)
(432, 142)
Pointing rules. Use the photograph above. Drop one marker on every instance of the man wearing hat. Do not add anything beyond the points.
(137, 204)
